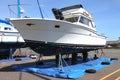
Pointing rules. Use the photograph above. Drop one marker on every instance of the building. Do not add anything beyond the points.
(113, 44)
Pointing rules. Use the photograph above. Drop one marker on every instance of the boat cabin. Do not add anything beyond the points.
(6, 26)
(75, 14)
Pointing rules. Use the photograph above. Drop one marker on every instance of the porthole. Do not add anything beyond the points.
(57, 26)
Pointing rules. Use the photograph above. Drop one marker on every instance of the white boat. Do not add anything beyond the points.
(9, 36)
(73, 26)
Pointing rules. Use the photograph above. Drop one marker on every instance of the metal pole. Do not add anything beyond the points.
(60, 64)
(40, 9)
(18, 7)
(10, 56)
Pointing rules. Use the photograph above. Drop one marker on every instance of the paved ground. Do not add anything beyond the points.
(112, 72)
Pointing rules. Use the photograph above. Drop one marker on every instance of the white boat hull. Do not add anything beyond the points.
(57, 31)
(11, 40)
(9, 36)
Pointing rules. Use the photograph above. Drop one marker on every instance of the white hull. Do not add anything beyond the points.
(9, 36)
(64, 33)
(11, 40)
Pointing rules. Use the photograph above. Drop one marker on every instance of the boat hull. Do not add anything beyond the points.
(11, 40)
(49, 37)
(57, 32)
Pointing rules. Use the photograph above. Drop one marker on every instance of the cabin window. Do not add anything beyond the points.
(85, 21)
(7, 28)
(72, 19)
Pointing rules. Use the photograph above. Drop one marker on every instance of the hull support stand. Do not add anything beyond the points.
(74, 59)
(11, 51)
(39, 60)
(85, 55)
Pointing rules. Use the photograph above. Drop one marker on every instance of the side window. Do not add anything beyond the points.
(72, 19)
(84, 20)
(7, 28)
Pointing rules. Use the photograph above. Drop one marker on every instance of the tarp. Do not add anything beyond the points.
(73, 71)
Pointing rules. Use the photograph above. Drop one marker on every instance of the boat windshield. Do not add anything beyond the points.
(85, 21)
(72, 19)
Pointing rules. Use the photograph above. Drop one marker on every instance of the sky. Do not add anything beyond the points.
(106, 13)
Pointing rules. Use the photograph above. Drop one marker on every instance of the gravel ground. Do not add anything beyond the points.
(7, 74)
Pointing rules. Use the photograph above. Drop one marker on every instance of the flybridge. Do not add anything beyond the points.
(71, 7)
(59, 13)
(71, 12)
(76, 10)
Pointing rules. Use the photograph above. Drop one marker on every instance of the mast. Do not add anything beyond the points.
(18, 7)
(40, 9)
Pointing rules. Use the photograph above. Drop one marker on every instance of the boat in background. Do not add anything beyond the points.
(73, 30)
(9, 36)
